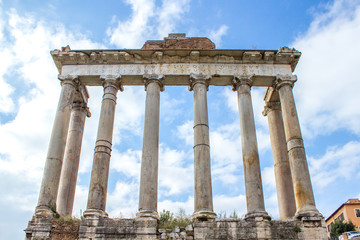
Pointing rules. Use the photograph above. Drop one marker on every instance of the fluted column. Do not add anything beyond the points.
(252, 173)
(150, 151)
(50, 182)
(69, 172)
(284, 187)
(304, 197)
(203, 203)
(100, 172)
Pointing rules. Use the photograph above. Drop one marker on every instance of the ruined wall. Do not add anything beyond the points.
(220, 229)
(179, 41)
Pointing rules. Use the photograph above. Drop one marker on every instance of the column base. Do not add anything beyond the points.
(44, 212)
(147, 214)
(204, 216)
(257, 216)
(308, 211)
(91, 213)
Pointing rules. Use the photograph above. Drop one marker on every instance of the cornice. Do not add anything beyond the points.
(158, 56)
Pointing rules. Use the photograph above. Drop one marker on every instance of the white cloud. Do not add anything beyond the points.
(268, 177)
(225, 147)
(133, 32)
(123, 201)
(174, 206)
(339, 163)
(146, 22)
(170, 108)
(24, 136)
(186, 132)
(127, 162)
(80, 202)
(130, 110)
(170, 13)
(176, 176)
(326, 91)
(271, 205)
(229, 204)
(216, 35)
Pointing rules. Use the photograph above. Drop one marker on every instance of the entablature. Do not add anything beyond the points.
(176, 64)
(66, 56)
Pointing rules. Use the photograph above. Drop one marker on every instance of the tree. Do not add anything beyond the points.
(338, 227)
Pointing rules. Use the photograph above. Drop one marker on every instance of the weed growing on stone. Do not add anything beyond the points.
(297, 229)
(68, 219)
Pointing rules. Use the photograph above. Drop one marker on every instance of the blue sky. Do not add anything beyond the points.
(326, 32)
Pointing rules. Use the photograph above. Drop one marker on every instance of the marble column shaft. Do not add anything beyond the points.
(304, 197)
(150, 150)
(284, 187)
(51, 176)
(251, 164)
(203, 204)
(69, 172)
(100, 170)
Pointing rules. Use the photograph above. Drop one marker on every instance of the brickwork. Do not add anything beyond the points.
(179, 41)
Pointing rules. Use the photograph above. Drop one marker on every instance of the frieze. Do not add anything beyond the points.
(179, 73)
(177, 69)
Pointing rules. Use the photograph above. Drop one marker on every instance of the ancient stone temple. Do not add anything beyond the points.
(196, 64)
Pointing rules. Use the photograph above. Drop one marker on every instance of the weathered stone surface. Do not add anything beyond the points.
(69, 171)
(220, 229)
(179, 41)
(283, 180)
(51, 176)
(177, 74)
(150, 150)
(203, 204)
(304, 197)
(65, 230)
(253, 185)
(101, 165)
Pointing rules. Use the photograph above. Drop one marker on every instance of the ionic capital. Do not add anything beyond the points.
(199, 78)
(239, 80)
(69, 79)
(83, 93)
(282, 80)
(112, 80)
(158, 78)
(82, 107)
(270, 106)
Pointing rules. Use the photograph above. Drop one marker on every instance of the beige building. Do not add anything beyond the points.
(348, 211)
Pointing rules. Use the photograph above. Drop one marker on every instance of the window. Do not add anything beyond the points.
(357, 213)
(329, 227)
(340, 217)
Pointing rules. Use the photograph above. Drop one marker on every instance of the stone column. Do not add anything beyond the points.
(284, 187)
(100, 172)
(69, 172)
(150, 151)
(203, 204)
(252, 173)
(304, 197)
(50, 182)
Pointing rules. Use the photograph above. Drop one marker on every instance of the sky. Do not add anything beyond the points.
(326, 94)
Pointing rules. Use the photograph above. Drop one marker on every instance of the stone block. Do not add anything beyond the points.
(179, 42)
